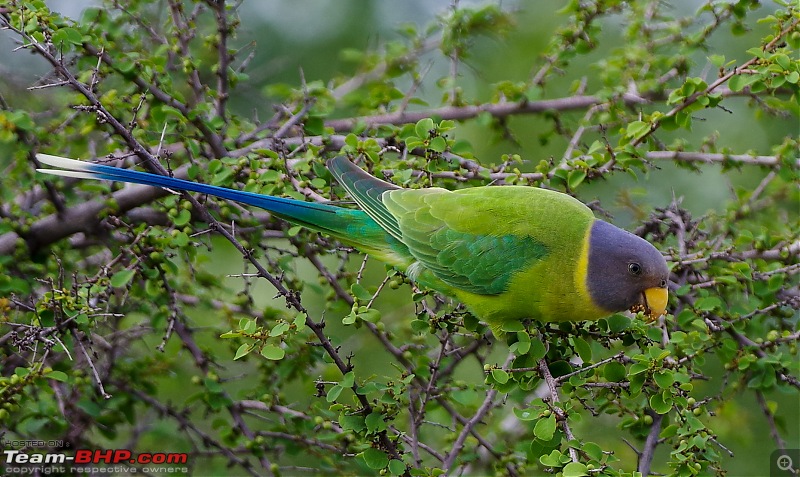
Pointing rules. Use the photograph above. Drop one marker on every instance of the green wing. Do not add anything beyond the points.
(469, 241)
(473, 240)
(366, 191)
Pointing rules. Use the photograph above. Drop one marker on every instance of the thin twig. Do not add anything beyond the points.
(91, 365)
(561, 416)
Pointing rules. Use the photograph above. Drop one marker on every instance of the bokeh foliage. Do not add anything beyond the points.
(122, 326)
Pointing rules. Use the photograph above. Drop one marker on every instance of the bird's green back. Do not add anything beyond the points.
(508, 253)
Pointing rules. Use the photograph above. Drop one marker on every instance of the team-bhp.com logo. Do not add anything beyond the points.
(88, 457)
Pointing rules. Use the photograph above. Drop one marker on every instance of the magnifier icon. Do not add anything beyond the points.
(784, 462)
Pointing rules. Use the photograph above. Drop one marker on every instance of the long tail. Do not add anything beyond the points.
(351, 226)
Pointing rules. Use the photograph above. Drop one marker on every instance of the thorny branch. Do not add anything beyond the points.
(561, 416)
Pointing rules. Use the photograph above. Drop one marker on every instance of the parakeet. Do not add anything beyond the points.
(508, 253)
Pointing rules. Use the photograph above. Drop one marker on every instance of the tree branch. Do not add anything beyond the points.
(561, 416)
(499, 110)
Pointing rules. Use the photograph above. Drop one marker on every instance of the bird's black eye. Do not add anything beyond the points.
(635, 268)
(663, 284)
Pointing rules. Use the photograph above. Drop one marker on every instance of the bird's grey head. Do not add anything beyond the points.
(625, 270)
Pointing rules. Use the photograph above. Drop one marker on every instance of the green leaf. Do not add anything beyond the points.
(372, 315)
(354, 422)
(545, 428)
(371, 387)
(461, 148)
(740, 82)
(376, 459)
(67, 35)
(300, 321)
(553, 459)
(180, 240)
(214, 166)
(694, 423)
(417, 326)
(614, 372)
(273, 352)
(638, 368)
(636, 384)
(708, 303)
(575, 469)
(583, 348)
(717, 60)
(423, 127)
(397, 467)
(596, 146)
(537, 349)
(350, 318)
(593, 450)
(659, 404)
(314, 126)
(664, 378)
(637, 129)
(526, 414)
(153, 288)
(575, 178)
(783, 61)
(279, 329)
(618, 323)
(500, 376)
(520, 347)
(560, 368)
(348, 380)
(438, 144)
(122, 278)
(669, 431)
(242, 351)
(183, 218)
(351, 140)
(669, 123)
(58, 376)
(654, 333)
(375, 422)
(360, 292)
(334, 392)
(248, 326)
(413, 142)
(22, 120)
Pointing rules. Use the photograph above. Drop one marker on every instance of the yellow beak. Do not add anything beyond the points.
(656, 301)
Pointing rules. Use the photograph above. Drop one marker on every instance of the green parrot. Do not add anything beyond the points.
(508, 253)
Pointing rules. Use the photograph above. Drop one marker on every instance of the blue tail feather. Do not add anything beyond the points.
(353, 227)
(320, 217)
(280, 205)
